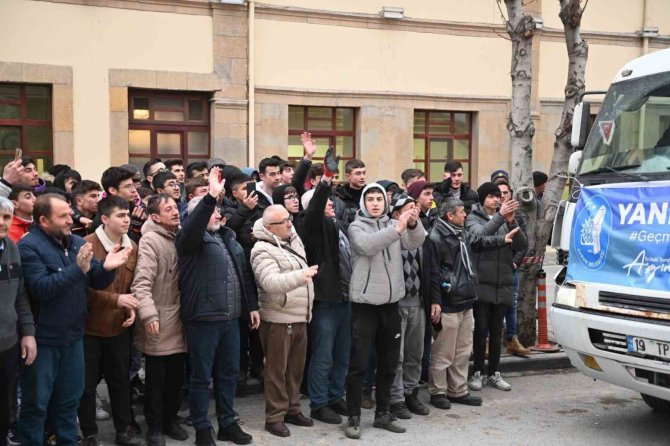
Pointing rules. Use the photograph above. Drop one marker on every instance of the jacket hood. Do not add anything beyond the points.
(478, 210)
(151, 226)
(278, 194)
(367, 188)
(387, 183)
(260, 232)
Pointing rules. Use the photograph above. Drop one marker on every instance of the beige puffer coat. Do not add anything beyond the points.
(156, 286)
(283, 296)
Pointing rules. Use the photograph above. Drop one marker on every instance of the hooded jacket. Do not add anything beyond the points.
(468, 196)
(19, 228)
(156, 286)
(492, 257)
(376, 258)
(278, 266)
(347, 203)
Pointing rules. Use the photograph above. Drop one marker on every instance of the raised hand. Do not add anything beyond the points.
(215, 186)
(308, 145)
(116, 257)
(510, 235)
(508, 209)
(84, 257)
(310, 272)
(403, 221)
(12, 171)
(331, 163)
(251, 200)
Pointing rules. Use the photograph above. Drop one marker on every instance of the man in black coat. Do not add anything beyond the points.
(454, 187)
(330, 328)
(216, 288)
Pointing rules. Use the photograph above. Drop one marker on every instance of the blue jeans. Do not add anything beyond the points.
(330, 331)
(213, 352)
(54, 380)
(510, 316)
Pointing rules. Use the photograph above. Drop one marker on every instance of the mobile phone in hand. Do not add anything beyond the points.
(251, 187)
(18, 154)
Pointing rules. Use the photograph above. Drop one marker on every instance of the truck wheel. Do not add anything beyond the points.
(656, 403)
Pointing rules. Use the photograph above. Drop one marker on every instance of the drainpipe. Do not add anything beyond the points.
(251, 85)
(645, 20)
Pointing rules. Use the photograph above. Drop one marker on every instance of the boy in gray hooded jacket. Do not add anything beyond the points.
(376, 286)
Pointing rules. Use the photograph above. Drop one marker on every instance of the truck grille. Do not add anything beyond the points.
(611, 342)
(631, 302)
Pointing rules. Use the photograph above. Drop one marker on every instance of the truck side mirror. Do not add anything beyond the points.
(580, 125)
(573, 162)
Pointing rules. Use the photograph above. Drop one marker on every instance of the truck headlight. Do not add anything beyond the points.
(566, 295)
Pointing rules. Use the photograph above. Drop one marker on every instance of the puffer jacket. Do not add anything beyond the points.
(376, 257)
(468, 196)
(278, 266)
(156, 286)
(492, 257)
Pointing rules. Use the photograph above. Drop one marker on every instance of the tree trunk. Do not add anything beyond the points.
(521, 27)
(571, 15)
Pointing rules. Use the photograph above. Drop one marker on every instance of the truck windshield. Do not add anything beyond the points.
(632, 131)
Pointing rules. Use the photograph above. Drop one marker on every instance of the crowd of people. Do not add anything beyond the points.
(205, 274)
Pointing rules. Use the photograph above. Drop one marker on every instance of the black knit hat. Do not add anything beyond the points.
(539, 178)
(487, 189)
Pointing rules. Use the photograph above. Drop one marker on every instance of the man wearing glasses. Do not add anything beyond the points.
(119, 181)
(287, 196)
(165, 182)
(286, 294)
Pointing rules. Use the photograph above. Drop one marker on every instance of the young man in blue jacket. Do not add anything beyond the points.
(216, 288)
(57, 269)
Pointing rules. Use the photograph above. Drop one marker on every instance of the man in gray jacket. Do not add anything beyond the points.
(377, 284)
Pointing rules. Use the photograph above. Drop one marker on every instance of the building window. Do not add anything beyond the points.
(25, 122)
(167, 124)
(441, 136)
(329, 127)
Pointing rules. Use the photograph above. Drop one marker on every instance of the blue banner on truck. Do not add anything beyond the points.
(621, 236)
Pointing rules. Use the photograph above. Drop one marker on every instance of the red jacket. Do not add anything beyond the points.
(19, 228)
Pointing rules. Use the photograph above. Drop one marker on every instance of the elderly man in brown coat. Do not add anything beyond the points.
(160, 335)
(286, 294)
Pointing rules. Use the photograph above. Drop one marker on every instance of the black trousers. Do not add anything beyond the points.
(164, 376)
(251, 350)
(378, 324)
(9, 374)
(108, 358)
(488, 322)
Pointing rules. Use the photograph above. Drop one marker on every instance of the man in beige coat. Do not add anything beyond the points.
(160, 335)
(285, 294)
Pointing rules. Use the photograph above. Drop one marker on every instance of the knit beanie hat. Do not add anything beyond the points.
(398, 201)
(414, 189)
(539, 178)
(487, 189)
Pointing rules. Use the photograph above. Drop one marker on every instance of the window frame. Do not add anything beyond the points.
(332, 135)
(427, 136)
(25, 123)
(174, 127)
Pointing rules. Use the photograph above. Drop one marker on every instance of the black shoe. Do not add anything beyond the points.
(233, 432)
(384, 420)
(399, 410)
(440, 401)
(173, 430)
(91, 440)
(340, 408)
(467, 399)
(205, 437)
(128, 438)
(155, 437)
(326, 414)
(298, 419)
(414, 405)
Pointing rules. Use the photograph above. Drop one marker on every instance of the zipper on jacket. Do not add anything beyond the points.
(367, 281)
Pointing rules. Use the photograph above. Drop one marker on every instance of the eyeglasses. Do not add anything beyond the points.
(291, 197)
(128, 186)
(172, 184)
(286, 221)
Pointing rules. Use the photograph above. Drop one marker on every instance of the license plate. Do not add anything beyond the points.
(648, 347)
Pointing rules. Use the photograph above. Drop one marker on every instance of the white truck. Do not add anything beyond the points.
(611, 313)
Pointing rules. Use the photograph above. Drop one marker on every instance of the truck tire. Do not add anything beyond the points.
(656, 403)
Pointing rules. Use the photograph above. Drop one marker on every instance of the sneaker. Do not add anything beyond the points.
(440, 401)
(128, 438)
(367, 402)
(475, 382)
(400, 410)
(384, 420)
(340, 408)
(173, 430)
(496, 381)
(326, 415)
(91, 440)
(12, 438)
(100, 413)
(205, 437)
(354, 427)
(467, 399)
(415, 405)
(155, 437)
(514, 347)
(233, 432)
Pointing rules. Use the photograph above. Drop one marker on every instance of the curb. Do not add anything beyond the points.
(534, 362)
